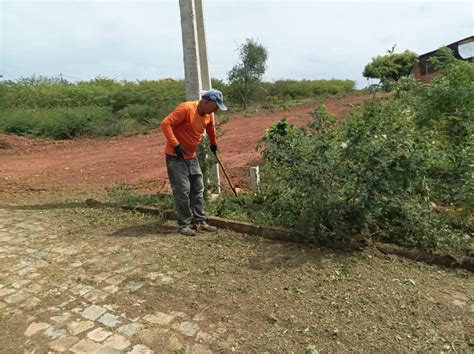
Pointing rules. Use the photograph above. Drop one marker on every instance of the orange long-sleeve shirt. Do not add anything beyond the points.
(186, 127)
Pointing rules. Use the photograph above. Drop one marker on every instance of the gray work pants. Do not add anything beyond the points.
(188, 189)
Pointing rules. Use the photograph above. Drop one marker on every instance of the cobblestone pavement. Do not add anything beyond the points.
(57, 295)
(80, 279)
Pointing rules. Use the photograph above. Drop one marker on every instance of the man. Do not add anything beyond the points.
(183, 129)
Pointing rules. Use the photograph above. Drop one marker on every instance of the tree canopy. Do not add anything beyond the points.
(245, 76)
(390, 67)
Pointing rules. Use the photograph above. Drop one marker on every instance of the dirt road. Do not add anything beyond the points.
(36, 164)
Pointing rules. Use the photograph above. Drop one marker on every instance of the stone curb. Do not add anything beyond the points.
(237, 226)
(286, 235)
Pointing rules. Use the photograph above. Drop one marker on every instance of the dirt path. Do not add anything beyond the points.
(35, 164)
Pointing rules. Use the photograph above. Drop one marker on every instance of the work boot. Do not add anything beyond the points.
(187, 231)
(204, 226)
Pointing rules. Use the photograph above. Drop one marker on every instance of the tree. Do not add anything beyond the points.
(245, 77)
(390, 67)
(443, 59)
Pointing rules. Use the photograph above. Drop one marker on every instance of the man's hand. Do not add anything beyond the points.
(213, 148)
(179, 151)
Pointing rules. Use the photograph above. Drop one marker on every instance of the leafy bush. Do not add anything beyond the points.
(55, 123)
(309, 88)
(381, 172)
(446, 113)
(29, 105)
(98, 92)
(143, 114)
(101, 107)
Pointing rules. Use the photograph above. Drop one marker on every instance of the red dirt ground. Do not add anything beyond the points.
(36, 164)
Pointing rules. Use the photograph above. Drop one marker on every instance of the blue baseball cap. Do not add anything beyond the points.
(216, 96)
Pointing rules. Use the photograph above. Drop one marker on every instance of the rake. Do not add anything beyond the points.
(226, 175)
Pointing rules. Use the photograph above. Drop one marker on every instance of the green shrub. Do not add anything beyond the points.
(57, 109)
(18, 122)
(447, 115)
(140, 113)
(399, 169)
(380, 172)
(98, 92)
(138, 106)
(309, 88)
(55, 123)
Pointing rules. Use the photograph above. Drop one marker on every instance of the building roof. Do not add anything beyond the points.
(453, 46)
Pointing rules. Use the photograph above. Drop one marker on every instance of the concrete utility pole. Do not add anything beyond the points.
(192, 70)
(196, 68)
(202, 47)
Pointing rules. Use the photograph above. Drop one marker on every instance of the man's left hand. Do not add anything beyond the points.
(213, 148)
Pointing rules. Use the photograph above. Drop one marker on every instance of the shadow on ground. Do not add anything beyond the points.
(154, 228)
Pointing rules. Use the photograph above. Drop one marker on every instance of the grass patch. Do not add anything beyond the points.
(123, 194)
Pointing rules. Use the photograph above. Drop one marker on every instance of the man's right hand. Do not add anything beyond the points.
(179, 151)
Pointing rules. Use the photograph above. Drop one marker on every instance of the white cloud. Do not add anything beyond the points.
(142, 39)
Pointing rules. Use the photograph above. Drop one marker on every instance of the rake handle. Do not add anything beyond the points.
(226, 175)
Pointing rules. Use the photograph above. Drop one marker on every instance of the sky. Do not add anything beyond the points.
(141, 40)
